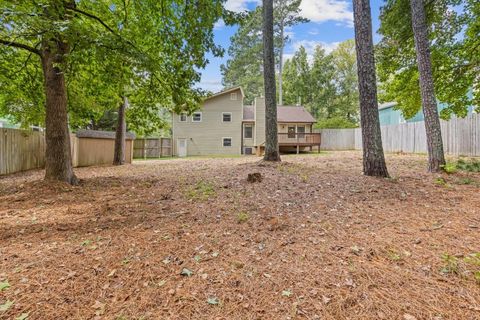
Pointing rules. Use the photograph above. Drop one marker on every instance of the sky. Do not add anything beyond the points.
(331, 22)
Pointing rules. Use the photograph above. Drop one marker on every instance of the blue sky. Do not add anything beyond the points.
(331, 22)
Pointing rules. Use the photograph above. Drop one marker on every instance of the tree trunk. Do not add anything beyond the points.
(271, 138)
(58, 154)
(280, 67)
(119, 152)
(373, 157)
(436, 157)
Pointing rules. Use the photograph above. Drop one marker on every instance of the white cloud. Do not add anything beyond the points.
(239, 5)
(310, 45)
(327, 10)
(219, 24)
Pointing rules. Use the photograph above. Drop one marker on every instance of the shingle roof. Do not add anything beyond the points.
(294, 114)
(98, 134)
(248, 113)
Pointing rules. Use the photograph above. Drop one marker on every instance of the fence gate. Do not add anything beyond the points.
(152, 148)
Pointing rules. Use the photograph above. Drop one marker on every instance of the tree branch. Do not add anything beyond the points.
(94, 17)
(20, 46)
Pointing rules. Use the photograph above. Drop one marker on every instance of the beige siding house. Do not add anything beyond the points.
(224, 125)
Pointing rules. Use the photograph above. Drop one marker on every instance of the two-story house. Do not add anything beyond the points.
(224, 125)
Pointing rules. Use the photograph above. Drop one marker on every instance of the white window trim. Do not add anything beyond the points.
(233, 96)
(231, 142)
(231, 117)
(180, 117)
(244, 131)
(201, 116)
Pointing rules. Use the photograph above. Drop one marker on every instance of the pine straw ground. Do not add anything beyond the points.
(314, 240)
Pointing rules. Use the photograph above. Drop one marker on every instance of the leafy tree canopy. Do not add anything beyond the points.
(455, 51)
(149, 50)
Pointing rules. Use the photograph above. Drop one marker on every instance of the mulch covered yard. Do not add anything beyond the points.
(193, 239)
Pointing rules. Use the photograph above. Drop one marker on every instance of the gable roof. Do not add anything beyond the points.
(225, 92)
(294, 114)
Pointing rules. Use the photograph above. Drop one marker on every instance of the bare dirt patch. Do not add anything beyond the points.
(193, 239)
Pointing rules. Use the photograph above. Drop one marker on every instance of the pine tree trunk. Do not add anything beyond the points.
(436, 157)
(119, 152)
(280, 67)
(271, 138)
(373, 157)
(58, 154)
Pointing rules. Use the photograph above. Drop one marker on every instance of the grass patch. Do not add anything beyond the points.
(242, 217)
(201, 191)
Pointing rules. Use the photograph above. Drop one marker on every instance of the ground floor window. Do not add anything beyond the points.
(227, 142)
(301, 132)
(291, 132)
(248, 131)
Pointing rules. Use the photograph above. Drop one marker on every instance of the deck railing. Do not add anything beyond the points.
(305, 139)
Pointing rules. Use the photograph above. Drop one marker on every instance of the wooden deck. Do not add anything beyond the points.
(299, 140)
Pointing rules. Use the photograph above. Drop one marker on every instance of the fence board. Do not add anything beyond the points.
(152, 148)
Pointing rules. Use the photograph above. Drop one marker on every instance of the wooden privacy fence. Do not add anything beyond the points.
(152, 148)
(461, 136)
(21, 150)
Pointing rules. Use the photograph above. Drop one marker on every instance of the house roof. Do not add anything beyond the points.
(248, 113)
(294, 114)
(386, 105)
(98, 134)
(225, 92)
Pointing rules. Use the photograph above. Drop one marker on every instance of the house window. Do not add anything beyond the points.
(197, 117)
(291, 132)
(233, 96)
(183, 117)
(227, 142)
(301, 132)
(226, 116)
(248, 132)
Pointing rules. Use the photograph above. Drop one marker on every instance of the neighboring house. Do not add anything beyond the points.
(388, 114)
(6, 123)
(223, 125)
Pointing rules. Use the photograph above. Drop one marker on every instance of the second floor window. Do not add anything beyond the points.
(227, 117)
(197, 117)
(183, 117)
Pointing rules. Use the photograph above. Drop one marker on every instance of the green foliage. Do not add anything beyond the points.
(454, 36)
(450, 264)
(468, 266)
(150, 51)
(244, 68)
(328, 88)
(471, 166)
(335, 123)
(450, 167)
(4, 285)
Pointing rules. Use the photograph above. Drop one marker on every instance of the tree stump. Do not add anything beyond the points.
(254, 177)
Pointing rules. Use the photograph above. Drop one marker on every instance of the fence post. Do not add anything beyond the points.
(144, 149)
(161, 146)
